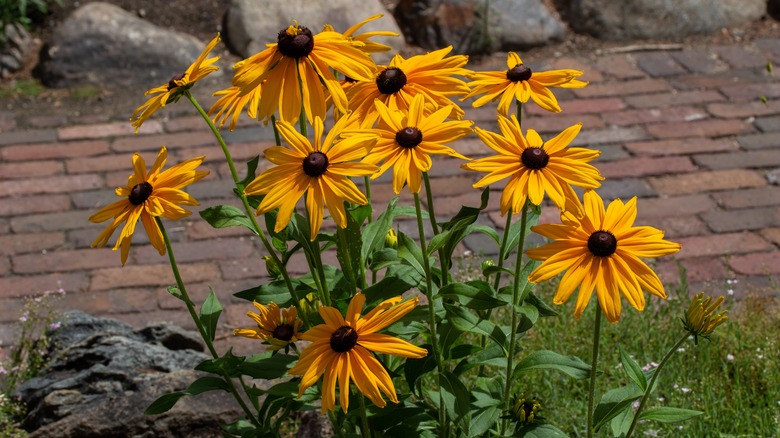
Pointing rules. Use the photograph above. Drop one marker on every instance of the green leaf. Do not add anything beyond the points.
(541, 306)
(532, 217)
(669, 414)
(447, 334)
(455, 395)
(209, 314)
(173, 290)
(550, 360)
(491, 355)
(397, 280)
(266, 366)
(414, 368)
(468, 322)
(528, 316)
(470, 296)
(482, 420)
(348, 251)
(222, 216)
(540, 430)
(207, 383)
(632, 370)
(384, 258)
(251, 171)
(410, 252)
(622, 422)
(393, 414)
(164, 403)
(275, 291)
(374, 233)
(613, 402)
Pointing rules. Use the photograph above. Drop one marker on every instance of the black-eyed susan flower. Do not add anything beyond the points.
(147, 196)
(433, 75)
(178, 84)
(518, 82)
(321, 169)
(701, 319)
(231, 104)
(341, 350)
(368, 45)
(602, 249)
(276, 326)
(293, 70)
(534, 167)
(408, 138)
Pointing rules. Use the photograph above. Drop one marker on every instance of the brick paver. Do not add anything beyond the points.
(685, 131)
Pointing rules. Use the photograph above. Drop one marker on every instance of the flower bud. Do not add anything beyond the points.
(272, 268)
(391, 240)
(700, 319)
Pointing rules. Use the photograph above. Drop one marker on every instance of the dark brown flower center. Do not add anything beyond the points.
(409, 137)
(518, 73)
(296, 46)
(284, 332)
(391, 80)
(343, 339)
(172, 83)
(140, 193)
(602, 243)
(315, 164)
(534, 158)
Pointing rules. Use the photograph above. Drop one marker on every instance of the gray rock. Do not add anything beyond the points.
(102, 44)
(251, 24)
(472, 28)
(646, 19)
(102, 375)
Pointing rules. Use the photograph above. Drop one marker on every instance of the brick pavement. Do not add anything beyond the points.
(685, 131)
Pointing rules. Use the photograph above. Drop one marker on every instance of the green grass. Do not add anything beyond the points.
(22, 88)
(733, 378)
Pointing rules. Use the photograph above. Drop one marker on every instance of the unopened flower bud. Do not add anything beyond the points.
(272, 268)
(486, 264)
(391, 240)
(701, 319)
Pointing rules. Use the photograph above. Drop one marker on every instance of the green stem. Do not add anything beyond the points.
(321, 272)
(651, 384)
(277, 137)
(516, 301)
(365, 430)
(502, 249)
(199, 324)
(336, 428)
(432, 215)
(593, 370)
(249, 211)
(431, 311)
(520, 113)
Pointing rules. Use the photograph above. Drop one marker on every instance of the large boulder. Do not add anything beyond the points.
(647, 19)
(103, 375)
(102, 44)
(471, 28)
(251, 24)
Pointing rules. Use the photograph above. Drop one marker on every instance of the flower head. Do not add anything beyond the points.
(409, 137)
(147, 196)
(292, 71)
(396, 85)
(520, 83)
(601, 248)
(534, 167)
(178, 84)
(231, 103)
(342, 349)
(701, 319)
(321, 169)
(525, 411)
(368, 45)
(276, 326)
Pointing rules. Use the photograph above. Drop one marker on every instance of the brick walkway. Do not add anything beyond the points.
(685, 131)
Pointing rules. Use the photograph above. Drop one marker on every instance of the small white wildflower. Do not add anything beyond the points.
(661, 399)
(681, 350)
(619, 366)
(730, 292)
(467, 253)
(37, 299)
(732, 281)
(4, 371)
(650, 366)
(651, 433)
(25, 316)
(55, 325)
(676, 386)
(685, 390)
(730, 357)
(679, 428)
(759, 356)
(635, 404)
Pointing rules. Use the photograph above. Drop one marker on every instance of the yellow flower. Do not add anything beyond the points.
(321, 169)
(231, 103)
(342, 349)
(407, 138)
(519, 82)
(276, 326)
(293, 70)
(146, 196)
(534, 167)
(601, 248)
(396, 85)
(368, 45)
(700, 319)
(178, 84)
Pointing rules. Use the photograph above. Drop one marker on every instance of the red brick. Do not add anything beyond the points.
(752, 91)
(625, 88)
(24, 286)
(637, 167)
(239, 152)
(69, 220)
(142, 319)
(583, 106)
(700, 61)
(701, 128)
(450, 186)
(759, 141)
(114, 301)
(682, 146)
(5, 266)
(242, 268)
(54, 150)
(721, 244)
(744, 109)
(55, 184)
(66, 260)
(25, 243)
(28, 136)
(757, 197)
(653, 115)
(565, 62)
(619, 66)
(750, 159)
(186, 123)
(150, 275)
(648, 208)
(217, 249)
(679, 226)
(743, 219)
(659, 64)
(12, 309)
(104, 130)
(706, 181)
(772, 234)
(609, 135)
(170, 141)
(739, 56)
(696, 270)
(101, 164)
(29, 169)
(673, 98)
(201, 229)
(767, 263)
(18, 206)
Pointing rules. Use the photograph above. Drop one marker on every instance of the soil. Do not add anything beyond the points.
(207, 18)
